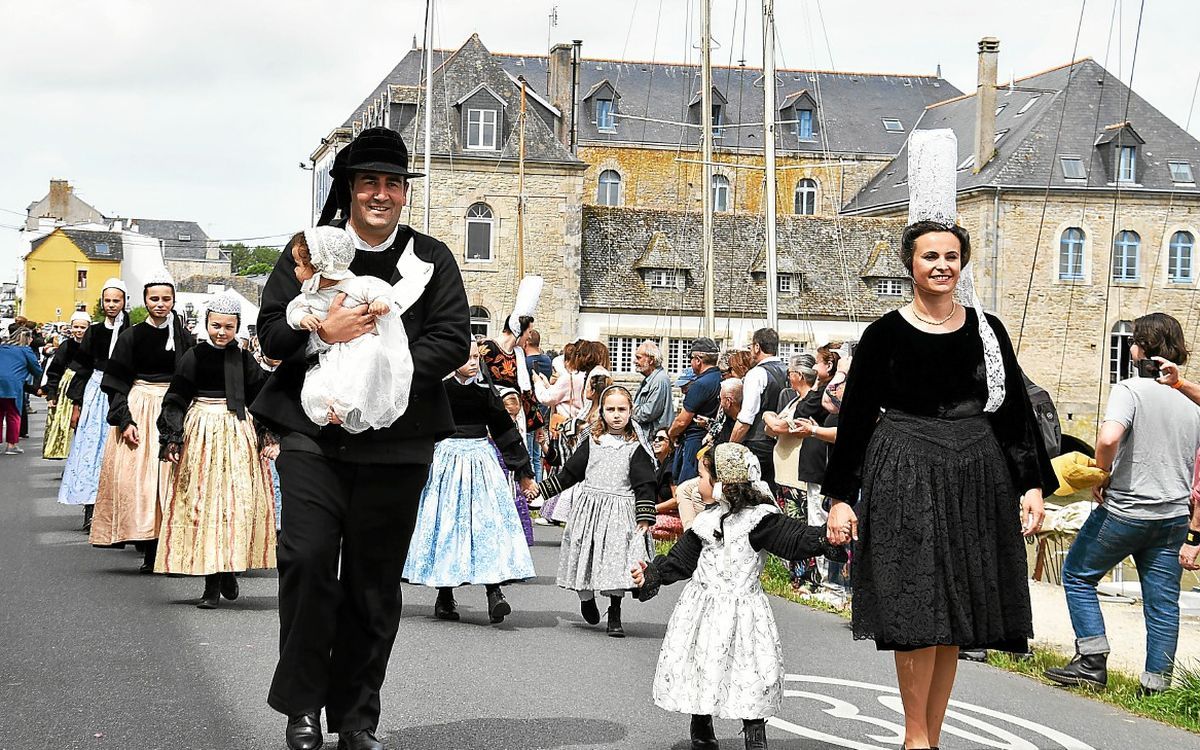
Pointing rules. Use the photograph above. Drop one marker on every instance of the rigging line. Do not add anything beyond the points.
(1187, 127)
(1116, 205)
(653, 58)
(825, 31)
(1037, 245)
(417, 117)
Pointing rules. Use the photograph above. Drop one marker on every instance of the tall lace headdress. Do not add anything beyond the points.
(932, 186)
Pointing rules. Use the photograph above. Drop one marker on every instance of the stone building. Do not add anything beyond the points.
(474, 151)
(1083, 209)
(642, 278)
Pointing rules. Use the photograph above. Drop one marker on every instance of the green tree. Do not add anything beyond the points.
(246, 260)
(257, 269)
(138, 314)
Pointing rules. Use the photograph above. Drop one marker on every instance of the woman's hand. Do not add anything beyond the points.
(270, 450)
(532, 492)
(174, 450)
(130, 436)
(1168, 372)
(344, 324)
(644, 527)
(842, 526)
(1033, 511)
(638, 571)
(75, 411)
(803, 428)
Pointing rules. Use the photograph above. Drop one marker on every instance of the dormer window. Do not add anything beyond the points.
(889, 287)
(481, 129)
(1118, 148)
(601, 100)
(716, 120)
(606, 121)
(718, 102)
(1127, 164)
(185, 237)
(804, 124)
(664, 278)
(785, 283)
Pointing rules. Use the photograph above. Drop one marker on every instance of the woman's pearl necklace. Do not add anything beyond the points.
(942, 322)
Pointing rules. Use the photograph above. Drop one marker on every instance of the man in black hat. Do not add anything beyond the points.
(700, 404)
(350, 501)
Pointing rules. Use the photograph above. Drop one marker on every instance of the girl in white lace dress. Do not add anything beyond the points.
(612, 511)
(364, 383)
(721, 654)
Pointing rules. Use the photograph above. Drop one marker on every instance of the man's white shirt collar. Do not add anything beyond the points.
(361, 244)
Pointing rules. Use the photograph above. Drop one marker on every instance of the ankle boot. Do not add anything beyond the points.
(589, 611)
(229, 586)
(212, 592)
(755, 732)
(1085, 670)
(88, 510)
(149, 552)
(498, 607)
(703, 736)
(614, 618)
(444, 607)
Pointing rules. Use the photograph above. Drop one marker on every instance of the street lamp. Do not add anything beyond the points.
(189, 313)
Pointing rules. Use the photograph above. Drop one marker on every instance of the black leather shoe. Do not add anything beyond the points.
(615, 630)
(444, 607)
(304, 732)
(1090, 670)
(498, 606)
(589, 610)
(703, 736)
(359, 739)
(212, 592)
(755, 732)
(229, 586)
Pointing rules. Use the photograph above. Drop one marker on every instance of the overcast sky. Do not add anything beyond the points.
(202, 111)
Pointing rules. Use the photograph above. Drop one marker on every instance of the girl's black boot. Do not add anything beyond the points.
(755, 731)
(703, 736)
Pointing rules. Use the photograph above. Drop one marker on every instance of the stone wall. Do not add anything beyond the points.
(553, 218)
(654, 178)
(183, 269)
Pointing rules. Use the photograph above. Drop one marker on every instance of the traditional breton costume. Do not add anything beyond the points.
(134, 483)
(721, 654)
(468, 530)
(366, 381)
(220, 516)
(940, 558)
(615, 480)
(57, 444)
(81, 474)
(350, 500)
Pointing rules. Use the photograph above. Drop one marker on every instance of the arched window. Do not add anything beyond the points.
(479, 232)
(1179, 258)
(1125, 256)
(1120, 364)
(609, 191)
(1070, 255)
(720, 192)
(481, 321)
(805, 201)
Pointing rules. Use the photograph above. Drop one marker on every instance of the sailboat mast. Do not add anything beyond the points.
(521, 185)
(428, 110)
(706, 156)
(769, 154)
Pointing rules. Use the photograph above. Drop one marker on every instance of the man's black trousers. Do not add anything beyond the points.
(336, 631)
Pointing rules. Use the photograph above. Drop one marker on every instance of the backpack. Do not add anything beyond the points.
(1046, 416)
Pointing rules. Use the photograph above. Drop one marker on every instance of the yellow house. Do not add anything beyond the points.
(65, 269)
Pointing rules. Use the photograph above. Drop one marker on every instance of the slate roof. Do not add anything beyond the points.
(615, 241)
(169, 231)
(853, 105)
(1025, 155)
(87, 241)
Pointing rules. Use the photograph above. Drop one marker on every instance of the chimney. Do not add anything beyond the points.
(60, 199)
(985, 102)
(562, 72)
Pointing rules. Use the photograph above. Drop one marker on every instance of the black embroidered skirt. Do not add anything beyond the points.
(940, 558)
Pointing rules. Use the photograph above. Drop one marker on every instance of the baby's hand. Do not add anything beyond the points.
(310, 323)
(378, 308)
(638, 572)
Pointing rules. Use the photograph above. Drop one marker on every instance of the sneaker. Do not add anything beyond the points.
(14, 450)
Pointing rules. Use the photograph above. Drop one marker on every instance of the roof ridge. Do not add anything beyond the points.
(1087, 58)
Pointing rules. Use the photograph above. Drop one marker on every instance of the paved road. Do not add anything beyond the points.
(93, 655)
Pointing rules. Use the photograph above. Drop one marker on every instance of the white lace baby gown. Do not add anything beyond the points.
(366, 381)
(721, 654)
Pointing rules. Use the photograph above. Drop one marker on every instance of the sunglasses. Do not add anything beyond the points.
(659, 440)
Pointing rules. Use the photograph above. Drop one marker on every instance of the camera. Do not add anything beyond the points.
(1147, 368)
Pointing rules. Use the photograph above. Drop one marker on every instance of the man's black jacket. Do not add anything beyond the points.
(438, 327)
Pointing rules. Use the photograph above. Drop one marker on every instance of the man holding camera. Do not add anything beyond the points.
(1147, 443)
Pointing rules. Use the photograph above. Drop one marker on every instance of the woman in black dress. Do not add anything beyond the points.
(940, 563)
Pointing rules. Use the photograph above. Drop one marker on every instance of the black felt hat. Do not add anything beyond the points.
(374, 150)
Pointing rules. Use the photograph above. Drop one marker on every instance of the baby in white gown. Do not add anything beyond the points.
(364, 383)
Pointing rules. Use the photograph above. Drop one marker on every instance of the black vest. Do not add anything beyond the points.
(776, 383)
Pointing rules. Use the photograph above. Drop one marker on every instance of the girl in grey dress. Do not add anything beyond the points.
(612, 511)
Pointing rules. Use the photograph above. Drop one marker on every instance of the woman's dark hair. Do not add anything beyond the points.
(587, 356)
(523, 323)
(1160, 335)
(908, 243)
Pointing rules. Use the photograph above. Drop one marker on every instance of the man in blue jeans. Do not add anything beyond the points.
(1148, 443)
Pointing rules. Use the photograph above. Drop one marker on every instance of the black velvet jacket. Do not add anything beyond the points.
(91, 355)
(438, 327)
(141, 354)
(478, 411)
(201, 374)
(59, 363)
(940, 376)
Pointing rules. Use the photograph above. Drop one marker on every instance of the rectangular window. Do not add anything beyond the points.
(1025, 107)
(663, 278)
(1127, 164)
(81, 279)
(804, 123)
(1181, 171)
(788, 348)
(716, 120)
(481, 128)
(479, 240)
(785, 283)
(679, 356)
(185, 238)
(621, 349)
(889, 287)
(102, 249)
(1072, 167)
(893, 125)
(605, 121)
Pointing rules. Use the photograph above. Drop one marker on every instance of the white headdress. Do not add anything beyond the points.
(932, 185)
(115, 283)
(526, 305)
(161, 277)
(330, 251)
(225, 304)
(81, 315)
